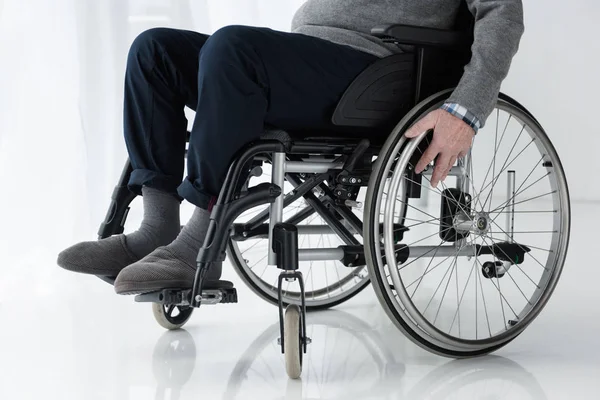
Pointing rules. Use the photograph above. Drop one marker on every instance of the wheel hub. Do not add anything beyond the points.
(481, 223)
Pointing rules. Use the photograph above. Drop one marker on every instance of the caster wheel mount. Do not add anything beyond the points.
(292, 322)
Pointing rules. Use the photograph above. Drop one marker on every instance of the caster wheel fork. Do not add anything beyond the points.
(292, 328)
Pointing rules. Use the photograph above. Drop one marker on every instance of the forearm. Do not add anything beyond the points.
(498, 30)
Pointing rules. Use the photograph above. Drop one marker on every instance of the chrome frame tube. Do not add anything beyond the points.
(325, 254)
(464, 181)
(315, 230)
(337, 253)
(276, 208)
(311, 167)
(457, 171)
(441, 251)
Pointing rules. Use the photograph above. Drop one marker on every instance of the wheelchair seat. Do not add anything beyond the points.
(332, 137)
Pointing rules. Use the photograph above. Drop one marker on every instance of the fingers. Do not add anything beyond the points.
(441, 168)
(450, 165)
(427, 157)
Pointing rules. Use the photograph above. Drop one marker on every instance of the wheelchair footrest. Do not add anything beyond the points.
(213, 292)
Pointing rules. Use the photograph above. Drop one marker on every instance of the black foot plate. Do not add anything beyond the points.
(213, 292)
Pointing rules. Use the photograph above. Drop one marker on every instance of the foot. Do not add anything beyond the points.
(106, 257)
(162, 269)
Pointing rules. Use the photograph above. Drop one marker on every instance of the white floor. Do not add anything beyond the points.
(64, 336)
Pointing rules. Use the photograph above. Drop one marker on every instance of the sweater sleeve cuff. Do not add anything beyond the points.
(461, 112)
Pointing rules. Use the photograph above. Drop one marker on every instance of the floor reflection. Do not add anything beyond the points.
(348, 359)
(173, 362)
(490, 377)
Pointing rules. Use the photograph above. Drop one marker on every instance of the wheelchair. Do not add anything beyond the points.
(461, 269)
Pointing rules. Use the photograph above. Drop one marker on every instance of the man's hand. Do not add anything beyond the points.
(452, 139)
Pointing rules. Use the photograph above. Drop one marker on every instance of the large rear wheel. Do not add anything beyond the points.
(487, 248)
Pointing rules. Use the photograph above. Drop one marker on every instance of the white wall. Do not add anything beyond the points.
(61, 72)
(555, 75)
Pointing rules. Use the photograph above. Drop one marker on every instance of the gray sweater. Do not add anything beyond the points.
(498, 30)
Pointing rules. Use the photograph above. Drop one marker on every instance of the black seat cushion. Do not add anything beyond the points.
(288, 137)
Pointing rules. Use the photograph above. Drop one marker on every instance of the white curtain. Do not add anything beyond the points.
(62, 64)
(42, 147)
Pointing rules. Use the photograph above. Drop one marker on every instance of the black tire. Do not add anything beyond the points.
(165, 318)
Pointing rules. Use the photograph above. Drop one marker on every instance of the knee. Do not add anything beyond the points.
(228, 46)
(231, 34)
(146, 45)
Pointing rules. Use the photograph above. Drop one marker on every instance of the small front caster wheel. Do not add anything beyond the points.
(171, 317)
(292, 344)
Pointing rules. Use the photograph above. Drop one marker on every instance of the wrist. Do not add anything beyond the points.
(462, 113)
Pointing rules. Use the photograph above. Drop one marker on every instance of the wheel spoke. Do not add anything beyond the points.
(430, 221)
(461, 299)
(518, 287)
(503, 165)
(517, 193)
(418, 241)
(533, 198)
(496, 239)
(457, 303)
(436, 290)
(493, 182)
(445, 290)
(487, 317)
(495, 152)
(494, 158)
(531, 255)
(426, 269)
(436, 191)
(431, 270)
(527, 177)
(422, 222)
(414, 208)
(475, 194)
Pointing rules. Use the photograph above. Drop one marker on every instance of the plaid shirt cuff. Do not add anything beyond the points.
(464, 114)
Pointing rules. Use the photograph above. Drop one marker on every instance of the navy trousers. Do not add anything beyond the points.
(238, 80)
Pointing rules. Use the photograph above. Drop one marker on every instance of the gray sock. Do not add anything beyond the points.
(170, 266)
(109, 256)
(191, 238)
(160, 225)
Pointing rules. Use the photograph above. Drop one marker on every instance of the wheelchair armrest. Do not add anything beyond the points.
(423, 37)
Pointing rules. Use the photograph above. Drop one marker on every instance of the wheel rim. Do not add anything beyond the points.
(414, 308)
(326, 282)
